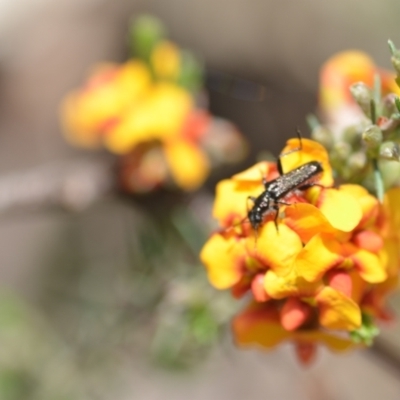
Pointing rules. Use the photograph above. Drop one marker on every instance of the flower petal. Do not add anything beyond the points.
(333, 342)
(259, 325)
(290, 284)
(257, 172)
(306, 220)
(311, 151)
(337, 311)
(340, 208)
(232, 202)
(224, 259)
(319, 255)
(189, 165)
(369, 266)
(275, 248)
(294, 313)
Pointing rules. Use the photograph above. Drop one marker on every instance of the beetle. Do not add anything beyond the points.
(268, 201)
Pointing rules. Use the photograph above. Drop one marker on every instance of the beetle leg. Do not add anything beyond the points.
(276, 208)
(279, 161)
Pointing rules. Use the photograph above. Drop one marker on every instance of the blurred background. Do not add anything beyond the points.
(94, 296)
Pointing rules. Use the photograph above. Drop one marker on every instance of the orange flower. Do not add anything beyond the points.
(338, 73)
(325, 263)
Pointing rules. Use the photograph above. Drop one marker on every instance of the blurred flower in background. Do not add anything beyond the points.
(151, 112)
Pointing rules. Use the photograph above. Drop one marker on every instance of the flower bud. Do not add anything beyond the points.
(389, 151)
(357, 161)
(372, 136)
(363, 96)
(324, 136)
(389, 105)
(395, 56)
(341, 150)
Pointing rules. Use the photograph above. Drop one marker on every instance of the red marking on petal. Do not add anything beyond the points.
(294, 313)
(340, 281)
(240, 288)
(257, 287)
(195, 125)
(368, 240)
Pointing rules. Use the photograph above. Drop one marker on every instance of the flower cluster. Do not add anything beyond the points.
(321, 274)
(148, 111)
(358, 102)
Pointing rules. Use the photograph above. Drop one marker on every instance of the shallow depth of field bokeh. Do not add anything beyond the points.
(102, 294)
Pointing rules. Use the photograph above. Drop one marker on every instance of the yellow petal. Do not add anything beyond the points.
(290, 284)
(369, 266)
(256, 173)
(275, 248)
(188, 164)
(231, 201)
(165, 60)
(224, 258)
(319, 255)
(311, 151)
(160, 115)
(368, 203)
(340, 208)
(392, 209)
(109, 93)
(337, 311)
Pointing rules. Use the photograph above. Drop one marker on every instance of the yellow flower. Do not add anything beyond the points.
(88, 114)
(327, 260)
(159, 116)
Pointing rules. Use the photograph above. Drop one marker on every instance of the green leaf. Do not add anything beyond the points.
(144, 34)
(191, 75)
(366, 333)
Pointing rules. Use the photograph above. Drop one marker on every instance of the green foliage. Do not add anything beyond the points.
(366, 333)
(145, 33)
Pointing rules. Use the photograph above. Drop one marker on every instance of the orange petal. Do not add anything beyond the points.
(258, 325)
(319, 255)
(392, 209)
(224, 259)
(189, 165)
(306, 220)
(338, 311)
(333, 342)
(257, 288)
(294, 313)
(276, 249)
(311, 151)
(340, 208)
(339, 72)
